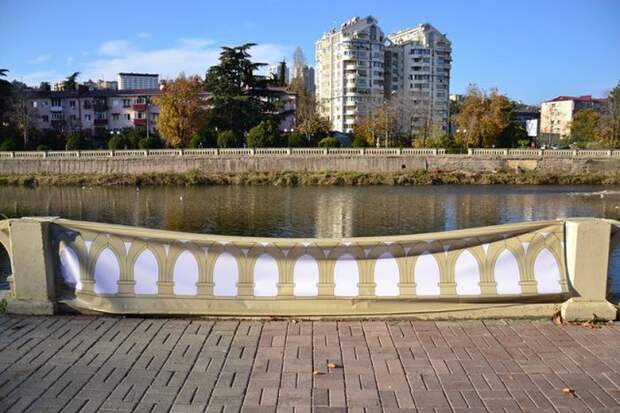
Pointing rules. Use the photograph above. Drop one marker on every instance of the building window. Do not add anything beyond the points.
(45, 118)
(87, 117)
(34, 104)
(115, 116)
(126, 103)
(72, 103)
(56, 102)
(73, 117)
(127, 116)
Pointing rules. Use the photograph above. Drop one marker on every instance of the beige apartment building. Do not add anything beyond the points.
(419, 71)
(358, 70)
(349, 72)
(556, 115)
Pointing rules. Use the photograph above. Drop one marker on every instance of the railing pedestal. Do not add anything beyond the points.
(587, 260)
(33, 266)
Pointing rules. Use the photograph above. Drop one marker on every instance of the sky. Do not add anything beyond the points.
(529, 50)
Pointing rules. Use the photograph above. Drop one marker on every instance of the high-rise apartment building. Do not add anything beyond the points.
(358, 70)
(419, 70)
(349, 72)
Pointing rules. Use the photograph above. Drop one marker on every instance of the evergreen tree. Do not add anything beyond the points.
(238, 98)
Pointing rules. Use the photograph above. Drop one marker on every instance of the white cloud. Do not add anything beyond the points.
(144, 35)
(116, 48)
(195, 43)
(191, 56)
(40, 59)
(34, 78)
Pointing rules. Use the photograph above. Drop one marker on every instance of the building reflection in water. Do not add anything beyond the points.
(312, 211)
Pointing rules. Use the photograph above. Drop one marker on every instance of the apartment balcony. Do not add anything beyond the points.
(100, 107)
(139, 122)
(101, 122)
(56, 109)
(139, 107)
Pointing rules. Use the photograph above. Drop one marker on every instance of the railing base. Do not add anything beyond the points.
(582, 309)
(30, 307)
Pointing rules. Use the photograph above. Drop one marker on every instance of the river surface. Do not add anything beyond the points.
(313, 211)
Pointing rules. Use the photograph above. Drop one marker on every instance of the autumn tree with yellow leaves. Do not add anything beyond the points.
(483, 118)
(182, 110)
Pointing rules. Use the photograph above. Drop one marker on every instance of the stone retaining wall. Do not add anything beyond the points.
(238, 164)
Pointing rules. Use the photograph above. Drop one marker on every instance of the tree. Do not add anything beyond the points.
(181, 110)
(70, 83)
(264, 135)
(483, 118)
(226, 139)
(45, 87)
(609, 128)
(308, 121)
(235, 102)
(329, 143)
(585, 126)
(6, 89)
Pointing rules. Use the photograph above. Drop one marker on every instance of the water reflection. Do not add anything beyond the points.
(313, 211)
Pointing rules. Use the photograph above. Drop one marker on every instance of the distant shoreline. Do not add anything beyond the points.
(310, 178)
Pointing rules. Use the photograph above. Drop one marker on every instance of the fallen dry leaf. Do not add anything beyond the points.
(590, 324)
(557, 318)
(568, 392)
(316, 372)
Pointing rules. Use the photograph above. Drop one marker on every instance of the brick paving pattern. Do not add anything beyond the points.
(68, 363)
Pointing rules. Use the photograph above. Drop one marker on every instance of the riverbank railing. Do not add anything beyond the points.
(524, 269)
(310, 152)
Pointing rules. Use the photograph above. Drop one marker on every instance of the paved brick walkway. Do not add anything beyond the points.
(93, 363)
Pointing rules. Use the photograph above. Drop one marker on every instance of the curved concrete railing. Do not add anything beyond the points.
(505, 270)
(234, 152)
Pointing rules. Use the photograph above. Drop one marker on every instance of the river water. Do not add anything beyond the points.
(313, 211)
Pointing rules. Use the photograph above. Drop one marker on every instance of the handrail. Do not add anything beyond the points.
(502, 153)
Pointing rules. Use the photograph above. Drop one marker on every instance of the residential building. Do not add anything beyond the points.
(556, 115)
(419, 70)
(112, 110)
(137, 81)
(73, 110)
(107, 84)
(349, 72)
(275, 72)
(359, 70)
(529, 120)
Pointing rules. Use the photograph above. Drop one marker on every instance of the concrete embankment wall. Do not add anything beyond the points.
(238, 164)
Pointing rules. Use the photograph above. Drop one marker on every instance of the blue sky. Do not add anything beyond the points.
(530, 50)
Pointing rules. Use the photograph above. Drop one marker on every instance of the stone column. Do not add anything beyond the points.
(33, 267)
(587, 256)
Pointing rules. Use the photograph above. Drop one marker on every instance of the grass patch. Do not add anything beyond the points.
(330, 178)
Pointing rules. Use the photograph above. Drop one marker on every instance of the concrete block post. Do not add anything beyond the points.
(33, 267)
(587, 256)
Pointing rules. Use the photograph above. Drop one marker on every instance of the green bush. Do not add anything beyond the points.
(226, 139)
(152, 142)
(118, 142)
(9, 144)
(203, 139)
(296, 140)
(329, 143)
(43, 148)
(264, 135)
(359, 143)
(75, 142)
